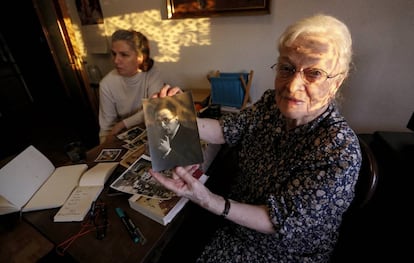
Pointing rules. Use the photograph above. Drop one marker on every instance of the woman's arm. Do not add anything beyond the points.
(107, 112)
(133, 120)
(210, 130)
(252, 216)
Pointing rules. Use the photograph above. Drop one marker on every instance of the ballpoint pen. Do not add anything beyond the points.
(133, 230)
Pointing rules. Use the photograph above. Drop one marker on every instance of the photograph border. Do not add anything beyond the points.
(108, 155)
(186, 146)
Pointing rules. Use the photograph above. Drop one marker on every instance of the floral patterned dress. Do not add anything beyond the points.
(306, 176)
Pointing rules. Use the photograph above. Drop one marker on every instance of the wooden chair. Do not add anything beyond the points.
(352, 223)
(368, 177)
(230, 89)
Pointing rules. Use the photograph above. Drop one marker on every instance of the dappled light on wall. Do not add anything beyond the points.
(75, 33)
(167, 37)
(85, 42)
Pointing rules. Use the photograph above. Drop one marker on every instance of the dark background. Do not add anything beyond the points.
(53, 118)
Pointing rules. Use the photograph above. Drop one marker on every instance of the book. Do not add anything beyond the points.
(148, 196)
(90, 186)
(31, 182)
(161, 210)
(173, 137)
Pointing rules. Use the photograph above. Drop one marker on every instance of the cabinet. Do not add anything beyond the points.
(14, 95)
(15, 101)
(14, 98)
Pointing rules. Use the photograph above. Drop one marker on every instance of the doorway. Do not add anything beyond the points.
(58, 109)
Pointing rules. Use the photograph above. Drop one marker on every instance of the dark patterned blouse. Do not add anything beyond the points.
(306, 176)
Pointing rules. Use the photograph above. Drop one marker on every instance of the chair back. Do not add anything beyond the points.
(367, 179)
(230, 88)
(354, 219)
(227, 91)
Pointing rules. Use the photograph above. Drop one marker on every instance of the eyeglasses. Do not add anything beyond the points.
(165, 121)
(309, 75)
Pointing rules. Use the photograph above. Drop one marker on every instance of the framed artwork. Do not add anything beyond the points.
(90, 12)
(178, 9)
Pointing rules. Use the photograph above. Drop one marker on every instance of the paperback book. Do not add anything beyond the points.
(148, 196)
(31, 182)
(161, 210)
(90, 186)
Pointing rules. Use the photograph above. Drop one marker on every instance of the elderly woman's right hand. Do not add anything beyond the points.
(167, 90)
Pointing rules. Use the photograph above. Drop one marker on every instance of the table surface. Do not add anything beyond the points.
(117, 246)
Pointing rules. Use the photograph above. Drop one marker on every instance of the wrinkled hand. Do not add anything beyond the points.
(164, 145)
(182, 183)
(167, 90)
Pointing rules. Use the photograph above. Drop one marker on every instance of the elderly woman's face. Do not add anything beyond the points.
(307, 78)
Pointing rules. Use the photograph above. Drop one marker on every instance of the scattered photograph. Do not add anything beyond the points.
(137, 142)
(108, 155)
(137, 180)
(129, 135)
(132, 156)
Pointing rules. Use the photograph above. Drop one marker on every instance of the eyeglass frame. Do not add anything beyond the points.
(165, 121)
(293, 70)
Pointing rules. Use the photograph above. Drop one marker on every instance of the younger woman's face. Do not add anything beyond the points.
(125, 59)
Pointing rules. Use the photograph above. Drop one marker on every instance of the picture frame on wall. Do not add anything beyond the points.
(90, 12)
(179, 9)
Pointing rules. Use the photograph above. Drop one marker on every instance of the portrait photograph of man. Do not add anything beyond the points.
(172, 131)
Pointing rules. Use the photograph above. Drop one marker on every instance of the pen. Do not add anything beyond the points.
(133, 231)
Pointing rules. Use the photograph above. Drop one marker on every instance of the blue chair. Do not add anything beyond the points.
(230, 89)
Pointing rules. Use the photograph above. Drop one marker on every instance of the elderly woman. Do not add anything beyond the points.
(299, 159)
(134, 78)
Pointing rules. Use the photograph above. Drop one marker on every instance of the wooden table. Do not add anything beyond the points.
(117, 246)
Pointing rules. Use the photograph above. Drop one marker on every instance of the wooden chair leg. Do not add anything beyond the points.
(246, 89)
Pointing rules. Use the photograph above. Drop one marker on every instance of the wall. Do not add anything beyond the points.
(379, 95)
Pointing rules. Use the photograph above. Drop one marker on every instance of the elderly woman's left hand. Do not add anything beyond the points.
(183, 183)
